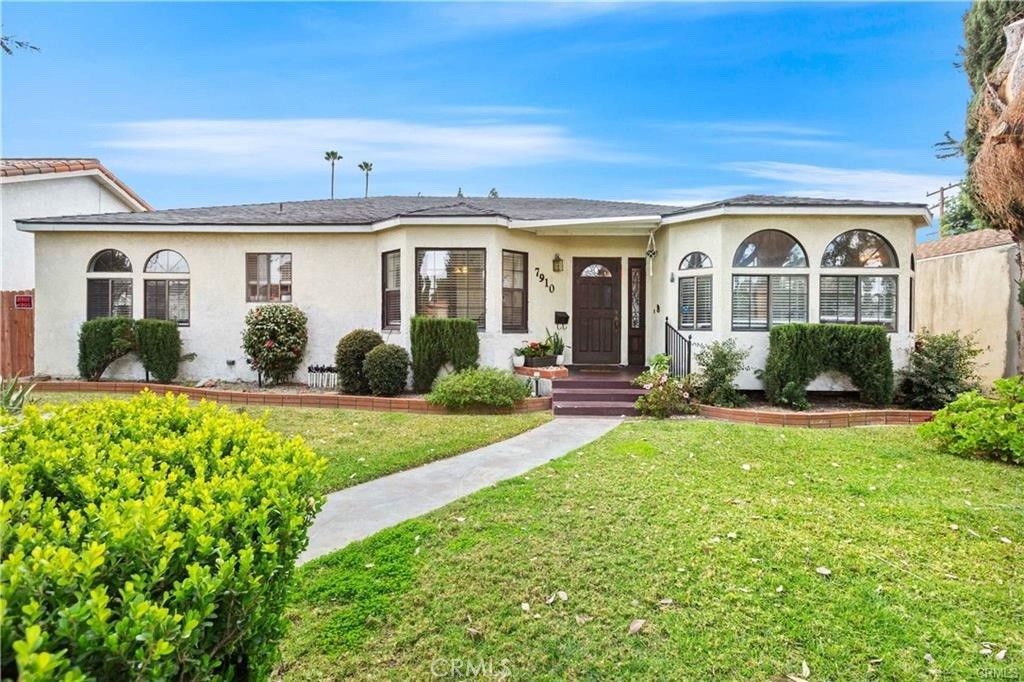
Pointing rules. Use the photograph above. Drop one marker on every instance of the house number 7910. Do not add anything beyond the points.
(544, 280)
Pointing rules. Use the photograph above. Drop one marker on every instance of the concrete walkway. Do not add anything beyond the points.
(360, 511)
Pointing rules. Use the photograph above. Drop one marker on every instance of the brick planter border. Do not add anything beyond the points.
(817, 420)
(349, 402)
(543, 372)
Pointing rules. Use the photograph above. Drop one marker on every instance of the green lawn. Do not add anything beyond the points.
(361, 445)
(712, 534)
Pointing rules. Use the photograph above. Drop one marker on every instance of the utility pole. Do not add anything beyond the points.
(941, 204)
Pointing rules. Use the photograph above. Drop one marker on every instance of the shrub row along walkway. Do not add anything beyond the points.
(361, 511)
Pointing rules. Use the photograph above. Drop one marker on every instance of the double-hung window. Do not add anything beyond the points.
(268, 277)
(166, 288)
(513, 291)
(695, 302)
(107, 293)
(391, 290)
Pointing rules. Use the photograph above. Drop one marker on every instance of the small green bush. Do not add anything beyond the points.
(976, 426)
(486, 387)
(158, 345)
(100, 342)
(438, 340)
(797, 353)
(941, 367)
(720, 363)
(274, 340)
(350, 356)
(386, 369)
(149, 540)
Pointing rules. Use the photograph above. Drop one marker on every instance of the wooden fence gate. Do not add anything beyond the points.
(17, 333)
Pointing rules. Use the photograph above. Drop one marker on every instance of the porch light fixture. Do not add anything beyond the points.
(557, 263)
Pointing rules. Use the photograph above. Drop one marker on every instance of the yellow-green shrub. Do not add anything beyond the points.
(148, 539)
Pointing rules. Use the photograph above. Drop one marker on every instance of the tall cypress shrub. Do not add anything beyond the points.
(436, 341)
(158, 345)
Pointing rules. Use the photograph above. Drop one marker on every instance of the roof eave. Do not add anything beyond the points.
(920, 214)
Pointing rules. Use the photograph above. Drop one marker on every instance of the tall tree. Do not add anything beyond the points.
(994, 142)
(332, 157)
(493, 194)
(9, 43)
(366, 167)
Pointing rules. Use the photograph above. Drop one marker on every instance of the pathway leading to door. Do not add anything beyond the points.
(358, 512)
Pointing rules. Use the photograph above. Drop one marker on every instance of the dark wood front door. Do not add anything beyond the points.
(596, 308)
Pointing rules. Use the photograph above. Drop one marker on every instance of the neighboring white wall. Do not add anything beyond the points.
(39, 196)
(974, 293)
(719, 237)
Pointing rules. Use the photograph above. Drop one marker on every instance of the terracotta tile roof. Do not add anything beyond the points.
(14, 167)
(959, 243)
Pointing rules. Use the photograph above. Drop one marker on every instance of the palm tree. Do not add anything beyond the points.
(366, 167)
(333, 157)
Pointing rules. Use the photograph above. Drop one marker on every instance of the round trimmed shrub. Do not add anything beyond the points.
(386, 369)
(941, 367)
(351, 355)
(275, 340)
(484, 387)
(153, 540)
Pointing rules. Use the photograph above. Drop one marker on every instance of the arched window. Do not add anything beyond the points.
(109, 260)
(859, 299)
(108, 296)
(859, 249)
(695, 293)
(695, 260)
(167, 261)
(596, 270)
(762, 301)
(167, 297)
(770, 249)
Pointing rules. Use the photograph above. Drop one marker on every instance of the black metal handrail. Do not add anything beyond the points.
(679, 348)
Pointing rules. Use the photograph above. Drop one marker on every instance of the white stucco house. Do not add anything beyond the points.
(33, 187)
(625, 274)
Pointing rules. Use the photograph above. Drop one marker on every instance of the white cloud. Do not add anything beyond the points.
(797, 179)
(289, 145)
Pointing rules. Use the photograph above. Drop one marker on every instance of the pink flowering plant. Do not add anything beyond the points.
(275, 340)
(534, 349)
(666, 394)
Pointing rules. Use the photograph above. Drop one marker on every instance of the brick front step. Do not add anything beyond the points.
(591, 384)
(593, 395)
(595, 408)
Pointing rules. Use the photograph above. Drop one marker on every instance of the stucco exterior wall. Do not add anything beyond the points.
(337, 282)
(974, 293)
(720, 237)
(54, 194)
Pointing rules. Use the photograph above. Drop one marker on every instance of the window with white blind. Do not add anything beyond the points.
(451, 283)
(391, 286)
(695, 303)
(859, 299)
(108, 296)
(760, 301)
(268, 277)
(166, 298)
(513, 291)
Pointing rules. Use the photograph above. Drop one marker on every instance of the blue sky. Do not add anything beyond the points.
(199, 104)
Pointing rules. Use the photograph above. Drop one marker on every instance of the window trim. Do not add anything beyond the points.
(704, 258)
(857, 302)
(888, 245)
(146, 269)
(268, 299)
(745, 240)
(768, 310)
(525, 327)
(384, 291)
(187, 322)
(482, 324)
(679, 313)
(90, 268)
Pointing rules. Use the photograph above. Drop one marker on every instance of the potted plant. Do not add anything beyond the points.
(536, 354)
(518, 359)
(556, 343)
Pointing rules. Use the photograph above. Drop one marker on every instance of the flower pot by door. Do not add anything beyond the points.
(559, 360)
(518, 360)
(542, 361)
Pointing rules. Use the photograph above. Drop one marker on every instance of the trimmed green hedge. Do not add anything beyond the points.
(485, 387)
(797, 353)
(148, 540)
(350, 356)
(158, 345)
(101, 341)
(439, 340)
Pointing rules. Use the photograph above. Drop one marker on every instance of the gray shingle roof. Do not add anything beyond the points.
(770, 201)
(376, 209)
